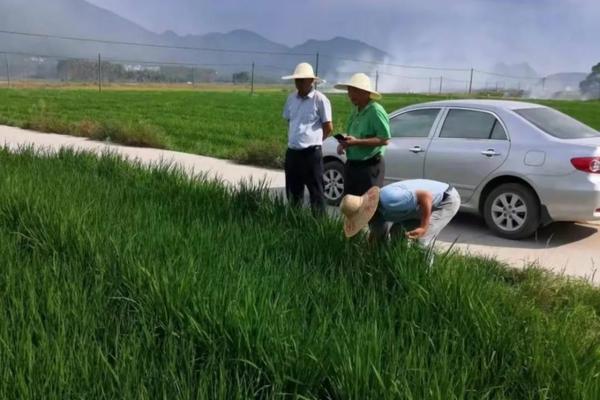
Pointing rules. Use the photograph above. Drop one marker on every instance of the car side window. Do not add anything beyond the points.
(469, 124)
(498, 132)
(416, 123)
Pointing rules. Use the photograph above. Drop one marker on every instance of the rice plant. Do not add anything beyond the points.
(118, 281)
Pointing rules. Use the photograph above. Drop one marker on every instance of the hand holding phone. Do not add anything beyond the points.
(340, 138)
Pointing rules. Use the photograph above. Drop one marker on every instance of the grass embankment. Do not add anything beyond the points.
(231, 125)
(119, 282)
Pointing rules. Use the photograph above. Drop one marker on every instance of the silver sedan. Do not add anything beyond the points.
(519, 165)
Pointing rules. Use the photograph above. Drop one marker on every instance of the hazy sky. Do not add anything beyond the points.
(552, 35)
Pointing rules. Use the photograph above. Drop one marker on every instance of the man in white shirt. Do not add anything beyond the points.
(309, 117)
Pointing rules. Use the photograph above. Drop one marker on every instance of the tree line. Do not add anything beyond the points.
(590, 87)
(86, 70)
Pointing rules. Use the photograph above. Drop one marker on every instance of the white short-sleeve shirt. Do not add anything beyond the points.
(306, 116)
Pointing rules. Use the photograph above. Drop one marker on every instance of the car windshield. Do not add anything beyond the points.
(557, 124)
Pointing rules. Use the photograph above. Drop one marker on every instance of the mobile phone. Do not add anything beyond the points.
(340, 137)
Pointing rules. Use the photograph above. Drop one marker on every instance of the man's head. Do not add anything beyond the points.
(303, 77)
(358, 97)
(304, 85)
(359, 89)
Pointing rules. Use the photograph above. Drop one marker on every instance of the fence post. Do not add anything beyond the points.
(441, 82)
(99, 73)
(252, 80)
(471, 81)
(376, 80)
(317, 70)
(7, 70)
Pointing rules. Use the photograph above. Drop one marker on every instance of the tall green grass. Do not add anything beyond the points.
(121, 282)
(231, 125)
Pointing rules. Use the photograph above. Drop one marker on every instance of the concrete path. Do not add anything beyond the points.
(570, 248)
(14, 138)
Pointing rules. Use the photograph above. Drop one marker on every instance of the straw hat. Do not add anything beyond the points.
(362, 82)
(358, 210)
(303, 71)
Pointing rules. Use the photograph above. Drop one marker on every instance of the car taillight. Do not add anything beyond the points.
(587, 164)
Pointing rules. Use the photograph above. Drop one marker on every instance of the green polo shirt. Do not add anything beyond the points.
(372, 121)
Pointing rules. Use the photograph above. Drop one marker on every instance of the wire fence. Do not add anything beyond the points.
(110, 62)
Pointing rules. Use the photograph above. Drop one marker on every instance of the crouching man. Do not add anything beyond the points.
(419, 207)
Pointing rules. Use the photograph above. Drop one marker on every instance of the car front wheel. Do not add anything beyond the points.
(512, 211)
(333, 182)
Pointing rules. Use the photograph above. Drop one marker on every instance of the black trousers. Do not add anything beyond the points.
(304, 168)
(361, 176)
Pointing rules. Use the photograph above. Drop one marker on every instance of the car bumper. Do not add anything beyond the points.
(575, 197)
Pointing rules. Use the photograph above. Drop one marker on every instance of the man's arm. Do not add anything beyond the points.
(366, 142)
(324, 109)
(327, 129)
(425, 202)
(286, 110)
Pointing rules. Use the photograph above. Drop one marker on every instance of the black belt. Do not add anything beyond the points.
(306, 149)
(368, 162)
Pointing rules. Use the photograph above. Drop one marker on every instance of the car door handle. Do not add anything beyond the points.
(416, 149)
(490, 153)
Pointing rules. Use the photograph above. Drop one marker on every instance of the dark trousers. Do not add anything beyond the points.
(361, 176)
(305, 168)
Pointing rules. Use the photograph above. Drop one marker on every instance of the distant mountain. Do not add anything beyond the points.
(341, 47)
(344, 50)
(238, 39)
(67, 18)
(74, 17)
(78, 18)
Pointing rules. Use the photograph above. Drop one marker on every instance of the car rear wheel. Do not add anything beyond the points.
(333, 182)
(512, 211)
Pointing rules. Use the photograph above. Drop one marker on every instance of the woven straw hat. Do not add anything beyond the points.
(358, 210)
(362, 82)
(303, 71)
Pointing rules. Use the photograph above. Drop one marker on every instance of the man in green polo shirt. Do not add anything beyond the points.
(368, 133)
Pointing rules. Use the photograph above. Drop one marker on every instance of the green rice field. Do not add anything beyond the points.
(122, 282)
(222, 124)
